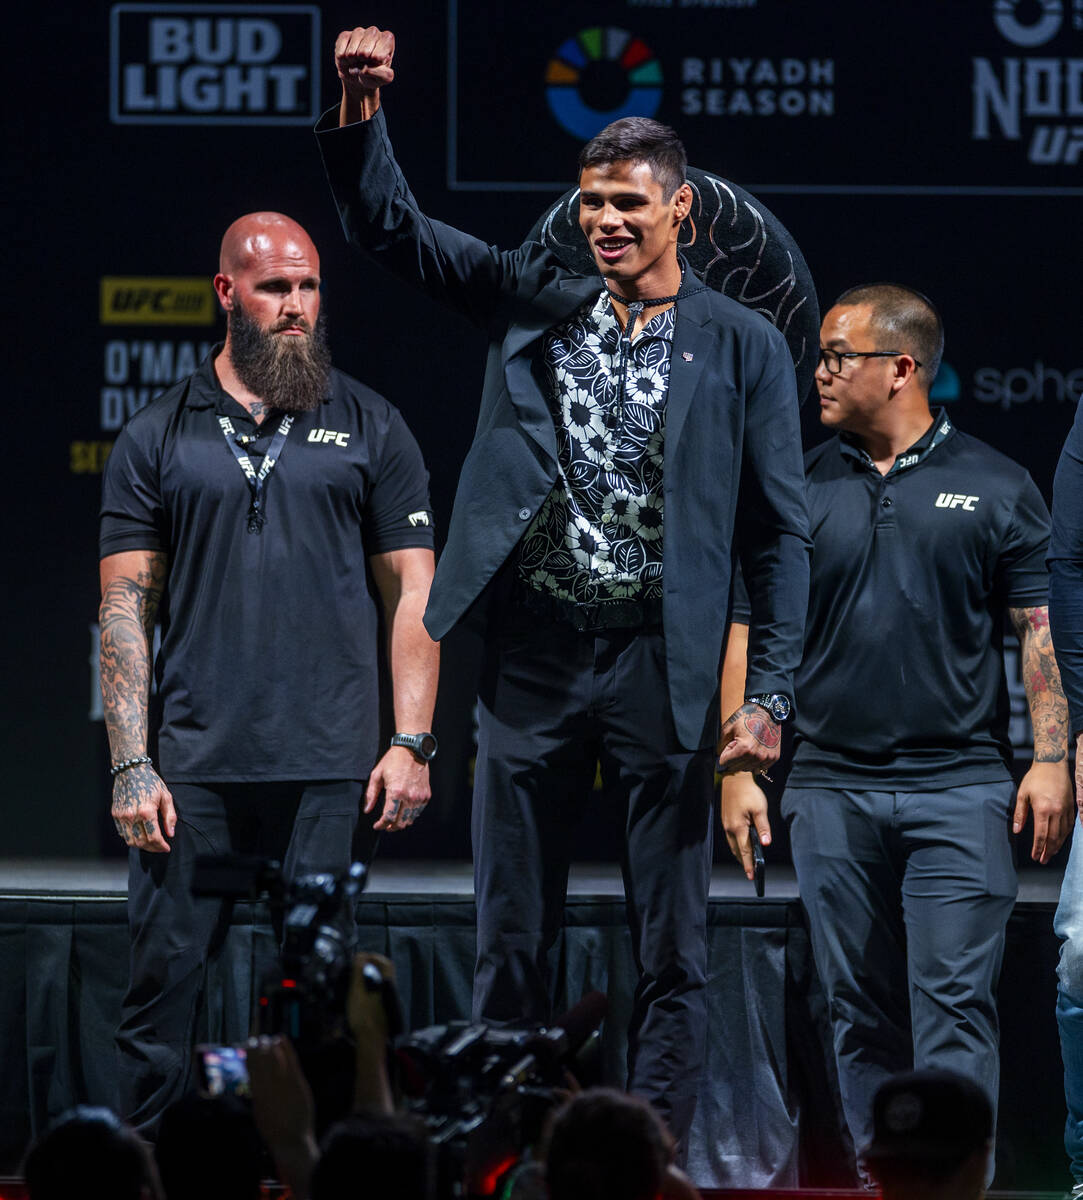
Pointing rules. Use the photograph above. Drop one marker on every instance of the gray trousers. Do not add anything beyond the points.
(908, 895)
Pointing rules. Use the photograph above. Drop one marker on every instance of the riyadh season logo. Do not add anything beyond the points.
(600, 75)
(1035, 100)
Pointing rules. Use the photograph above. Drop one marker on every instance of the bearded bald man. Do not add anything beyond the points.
(257, 510)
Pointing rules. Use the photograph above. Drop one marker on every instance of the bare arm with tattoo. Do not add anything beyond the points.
(1046, 789)
(132, 584)
(402, 579)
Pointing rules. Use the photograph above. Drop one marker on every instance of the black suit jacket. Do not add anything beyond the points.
(732, 457)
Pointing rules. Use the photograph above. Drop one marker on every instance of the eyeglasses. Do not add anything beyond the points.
(832, 359)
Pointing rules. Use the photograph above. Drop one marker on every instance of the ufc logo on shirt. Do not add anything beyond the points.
(956, 500)
(328, 435)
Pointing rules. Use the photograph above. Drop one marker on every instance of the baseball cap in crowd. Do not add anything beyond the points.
(929, 1116)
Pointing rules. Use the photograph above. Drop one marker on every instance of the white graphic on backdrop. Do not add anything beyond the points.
(199, 64)
(1034, 33)
(1037, 100)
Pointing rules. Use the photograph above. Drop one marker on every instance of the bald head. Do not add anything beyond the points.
(258, 235)
(268, 284)
(269, 266)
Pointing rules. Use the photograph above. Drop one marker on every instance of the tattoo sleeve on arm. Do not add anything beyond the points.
(1041, 680)
(126, 621)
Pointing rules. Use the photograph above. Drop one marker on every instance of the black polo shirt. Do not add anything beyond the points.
(902, 682)
(268, 663)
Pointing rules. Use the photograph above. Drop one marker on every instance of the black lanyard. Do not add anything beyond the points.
(256, 479)
(942, 427)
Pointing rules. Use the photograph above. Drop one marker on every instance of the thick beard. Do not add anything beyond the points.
(291, 373)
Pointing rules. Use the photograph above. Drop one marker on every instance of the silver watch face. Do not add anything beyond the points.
(778, 706)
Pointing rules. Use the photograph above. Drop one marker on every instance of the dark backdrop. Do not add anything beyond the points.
(938, 145)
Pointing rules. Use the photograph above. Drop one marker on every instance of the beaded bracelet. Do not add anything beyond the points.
(129, 762)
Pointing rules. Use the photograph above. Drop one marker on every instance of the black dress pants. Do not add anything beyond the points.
(306, 826)
(554, 703)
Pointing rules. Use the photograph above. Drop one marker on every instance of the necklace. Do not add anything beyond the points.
(637, 306)
(641, 304)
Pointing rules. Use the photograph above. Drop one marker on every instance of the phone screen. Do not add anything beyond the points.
(223, 1071)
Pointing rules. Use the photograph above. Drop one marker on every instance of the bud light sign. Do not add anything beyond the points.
(214, 64)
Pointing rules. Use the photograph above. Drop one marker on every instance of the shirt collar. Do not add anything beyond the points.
(937, 433)
(205, 390)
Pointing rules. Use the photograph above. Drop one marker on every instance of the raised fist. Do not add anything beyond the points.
(363, 58)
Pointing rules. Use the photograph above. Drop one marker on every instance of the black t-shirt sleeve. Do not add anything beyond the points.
(398, 514)
(131, 514)
(1022, 579)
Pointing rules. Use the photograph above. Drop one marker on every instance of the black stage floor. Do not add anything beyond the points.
(767, 1116)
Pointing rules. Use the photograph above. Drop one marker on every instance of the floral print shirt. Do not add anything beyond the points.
(598, 534)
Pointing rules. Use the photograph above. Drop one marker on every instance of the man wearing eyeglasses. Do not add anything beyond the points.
(900, 799)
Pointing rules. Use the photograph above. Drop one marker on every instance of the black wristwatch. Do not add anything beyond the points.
(777, 705)
(422, 745)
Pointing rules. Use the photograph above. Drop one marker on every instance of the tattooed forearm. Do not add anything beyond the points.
(1041, 681)
(126, 620)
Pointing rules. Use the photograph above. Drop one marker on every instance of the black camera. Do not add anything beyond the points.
(484, 1091)
(314, 916)
(305, 997)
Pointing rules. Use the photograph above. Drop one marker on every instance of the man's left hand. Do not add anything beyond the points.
(405, 784)
(1046, 789)
(751, 741)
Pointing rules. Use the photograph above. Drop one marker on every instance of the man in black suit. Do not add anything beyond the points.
(615, 408)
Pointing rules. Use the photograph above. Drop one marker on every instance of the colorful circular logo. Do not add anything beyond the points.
(601, 75)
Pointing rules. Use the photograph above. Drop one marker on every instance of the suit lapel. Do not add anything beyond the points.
(553, 304)
(693, 342)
